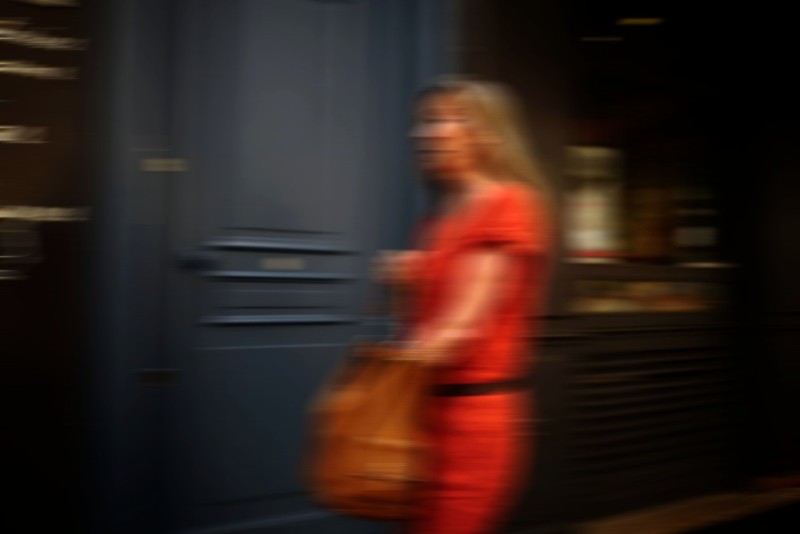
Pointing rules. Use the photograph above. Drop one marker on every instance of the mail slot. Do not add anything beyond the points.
(283, 264)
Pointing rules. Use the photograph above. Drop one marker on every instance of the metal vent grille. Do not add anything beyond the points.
(649, 419)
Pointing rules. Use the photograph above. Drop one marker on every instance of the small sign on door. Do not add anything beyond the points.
(283, 264)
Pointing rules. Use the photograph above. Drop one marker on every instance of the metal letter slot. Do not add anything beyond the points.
(283, 264)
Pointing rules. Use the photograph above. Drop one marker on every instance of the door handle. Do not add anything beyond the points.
(197, 260)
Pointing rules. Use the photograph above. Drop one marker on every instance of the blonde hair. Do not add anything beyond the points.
(496, 108)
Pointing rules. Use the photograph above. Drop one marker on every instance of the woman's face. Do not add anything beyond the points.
(446, 135)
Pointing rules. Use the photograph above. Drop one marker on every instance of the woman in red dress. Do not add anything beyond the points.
(476, 281)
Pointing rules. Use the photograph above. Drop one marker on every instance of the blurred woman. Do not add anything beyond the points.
(476, 284)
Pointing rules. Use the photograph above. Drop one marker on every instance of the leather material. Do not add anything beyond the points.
(366, 452)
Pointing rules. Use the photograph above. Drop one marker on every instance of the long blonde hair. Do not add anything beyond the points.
(496, 108)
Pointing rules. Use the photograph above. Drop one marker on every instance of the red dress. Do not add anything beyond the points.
(476, 442)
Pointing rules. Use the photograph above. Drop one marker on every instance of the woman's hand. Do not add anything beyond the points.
(434, 351)
(397, 268)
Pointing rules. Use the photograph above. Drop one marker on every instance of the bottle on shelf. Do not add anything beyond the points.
(593, 216)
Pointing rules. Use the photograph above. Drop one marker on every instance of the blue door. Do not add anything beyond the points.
(281, 113)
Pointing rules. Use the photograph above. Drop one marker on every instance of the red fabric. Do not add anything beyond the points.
(477, 442)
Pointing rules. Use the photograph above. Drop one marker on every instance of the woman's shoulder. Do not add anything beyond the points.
(510, 203)
(513, 219)
(521, 198)
(526, 207)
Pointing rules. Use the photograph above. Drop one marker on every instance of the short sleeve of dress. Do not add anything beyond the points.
(516, 221)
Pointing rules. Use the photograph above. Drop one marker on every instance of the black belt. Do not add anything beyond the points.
(479, 388)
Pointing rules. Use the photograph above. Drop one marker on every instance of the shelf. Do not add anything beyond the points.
(626, 271)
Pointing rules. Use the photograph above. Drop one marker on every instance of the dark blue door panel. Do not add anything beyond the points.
(275, 117)
(260, 157)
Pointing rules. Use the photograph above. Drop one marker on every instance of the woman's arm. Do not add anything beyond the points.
(397, 268)
(471, 295)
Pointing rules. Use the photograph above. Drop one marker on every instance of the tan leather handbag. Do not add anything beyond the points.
(367, 457)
